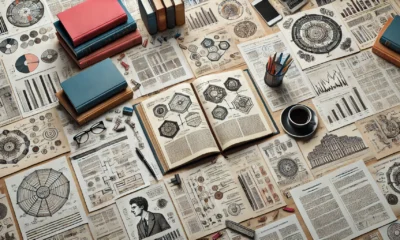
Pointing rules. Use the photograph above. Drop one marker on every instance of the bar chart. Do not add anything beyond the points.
(201, 18)
(355, 6)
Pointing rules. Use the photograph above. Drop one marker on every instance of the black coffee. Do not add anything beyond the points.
(299, 116)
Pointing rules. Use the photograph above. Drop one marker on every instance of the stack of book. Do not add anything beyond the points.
(387, 44)
(95, 30)
(158, 15)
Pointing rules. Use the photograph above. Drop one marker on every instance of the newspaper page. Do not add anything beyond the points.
(57, 6)
(294, 89)
(390, 231)
(30, 141)
(106, 223)
(326, 151)
(154, 67)
(343, 204)
(8, 230)
(392, 71)
(78, 233)
(231, 108)
(382, 132)
(9, 111)
(150, 214)
(339, 100)
(179, 124)
(289, 168)
(330, 40)
(284, 229)
(112, 120)
(385, 174)
(108, 171)
(365, 18)
(45, 200)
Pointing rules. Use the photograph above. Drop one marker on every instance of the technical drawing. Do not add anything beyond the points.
(393, 177)
(243, 104)
(160, 110)
(214, 94)
(232, 84)
(25, 13)
(287, 167)
(14, 146)
(43, 192)
(193, 119)
(180, 103)
(245, 29)
(219, 112)
(230, 9)
(169, 129)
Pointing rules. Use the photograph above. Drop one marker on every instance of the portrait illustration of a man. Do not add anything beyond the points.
(150, 223)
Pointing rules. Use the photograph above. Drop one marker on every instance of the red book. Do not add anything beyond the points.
(91, 18)
(128, 41)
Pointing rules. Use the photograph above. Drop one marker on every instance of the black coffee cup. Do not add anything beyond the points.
(300, 116)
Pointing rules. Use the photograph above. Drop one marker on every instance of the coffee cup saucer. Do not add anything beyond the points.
(304, 132)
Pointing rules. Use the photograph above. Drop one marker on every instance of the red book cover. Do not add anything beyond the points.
(128, 41)
(91, 18)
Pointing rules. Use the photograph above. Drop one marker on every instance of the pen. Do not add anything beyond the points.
(141, 157)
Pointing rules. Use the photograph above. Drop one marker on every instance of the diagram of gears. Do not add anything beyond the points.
(317, 34)
(193, 119)
(160, 110)
(43, 192)
(288, 167)
(230, 9)
(169, 129)
(393, 177)
(25, 13)
(180, 103)
(14, 146)
(232, 84)
(214, 94)
(219, 112)
(243, 104)
(8, 45)
(49, 56)
(245, 29)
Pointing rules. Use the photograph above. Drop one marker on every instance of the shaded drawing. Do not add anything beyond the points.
(287, 167)
(14, 146)
(232, 84)
(243, 104)
(43, 192)
(214, 94)
(245, 29)
(288, 23)
(25, 13)
(333, 148)
(219, 112)
(224, 45)
(160, 110)
(305, 56)
(50, 134)
(180, 103)
(317, 34)
(49, 56)
(234, 209)
(230, 9)
(193, 119)
(346, 45)
(393, 177)
(207, 42)
(393, 231)
(392, 199)
(3, 211)
(169, 129)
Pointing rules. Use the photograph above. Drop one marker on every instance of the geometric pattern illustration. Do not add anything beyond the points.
(287, 167)
(243, 104)
(169, 129)
(25, 13)
(160, 110)
(193, 119)
(219, 112)
(232, 84)
(214, 94)
(43, 192)
(14, 146)
(180, 103)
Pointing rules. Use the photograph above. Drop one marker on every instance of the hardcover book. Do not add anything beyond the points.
(384, 52)
(391, 36)
(160, 14)
(194, 120)
(148, 15)
(179, 12)
(91, 18)
(170, 11)
(101, 40)
(120, 45)
(94, 85)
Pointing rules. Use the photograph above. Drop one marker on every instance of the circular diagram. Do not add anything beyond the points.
(49, 56)
(160, 110)
(25, 13)
(43, 192)
(234, 209)
(287, 167)
(169, 129)
(393, 231)
(230, 9)
(27, 63)
(245, 29)
(50, 134)
(3, 211)
(14, 146)
(392, 199)
(316, 34)
(393, 177)
(24, 37)
(8, 46)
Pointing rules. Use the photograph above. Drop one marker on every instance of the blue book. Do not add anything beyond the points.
(148, 15)
(100, 41)
(391, 37)
(94, 85)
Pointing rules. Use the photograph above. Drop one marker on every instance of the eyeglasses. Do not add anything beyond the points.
(82, 137)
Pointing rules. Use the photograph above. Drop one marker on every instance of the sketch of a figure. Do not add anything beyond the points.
(150, 223)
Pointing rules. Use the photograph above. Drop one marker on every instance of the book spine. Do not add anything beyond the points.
(180, 15)
(390, 44)
(387, 57)
(103, 42)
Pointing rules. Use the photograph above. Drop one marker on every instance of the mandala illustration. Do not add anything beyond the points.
(393, 177)
(160, 110)
(316, 34)
(230, 9)
(234, 209)
(214, 94)
(393, 231)
(43, 192)
(232, 84)
(14, 146)
(288, 167)
(243, 104)
(180, 103)
(219, 112)
(245, 29)
(50, 134)
(25, 13)
(169, 129)
(193, 119)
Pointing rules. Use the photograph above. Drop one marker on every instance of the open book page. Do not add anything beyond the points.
(231, 108)
(284, 229)
(179, 124)
(343, 204)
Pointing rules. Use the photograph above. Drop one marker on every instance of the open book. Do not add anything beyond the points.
(212, 114)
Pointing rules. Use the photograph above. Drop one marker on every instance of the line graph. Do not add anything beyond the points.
(333, 79)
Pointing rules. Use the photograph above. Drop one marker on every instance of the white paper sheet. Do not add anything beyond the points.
(283, 229)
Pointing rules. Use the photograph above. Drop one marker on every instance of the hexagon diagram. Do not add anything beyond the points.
(224, 45)
(214, 94)
(243, 104)
(207, 42)
(180, 103)
(160, 110)
(214, 56)
(193, 119)
(169, 129)
(219, 112)
(232, 84)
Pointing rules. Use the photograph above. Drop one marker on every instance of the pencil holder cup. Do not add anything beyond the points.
(274, 80)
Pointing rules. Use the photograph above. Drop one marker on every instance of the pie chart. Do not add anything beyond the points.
(8, 46)
(27, 63)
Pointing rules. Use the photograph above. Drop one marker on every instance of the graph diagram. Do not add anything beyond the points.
(333, 79)
(356, 6)
(201, 18)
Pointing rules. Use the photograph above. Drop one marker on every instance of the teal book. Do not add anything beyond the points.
(94, 85)
(148, 15)
(391, 37)
(100, 41)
